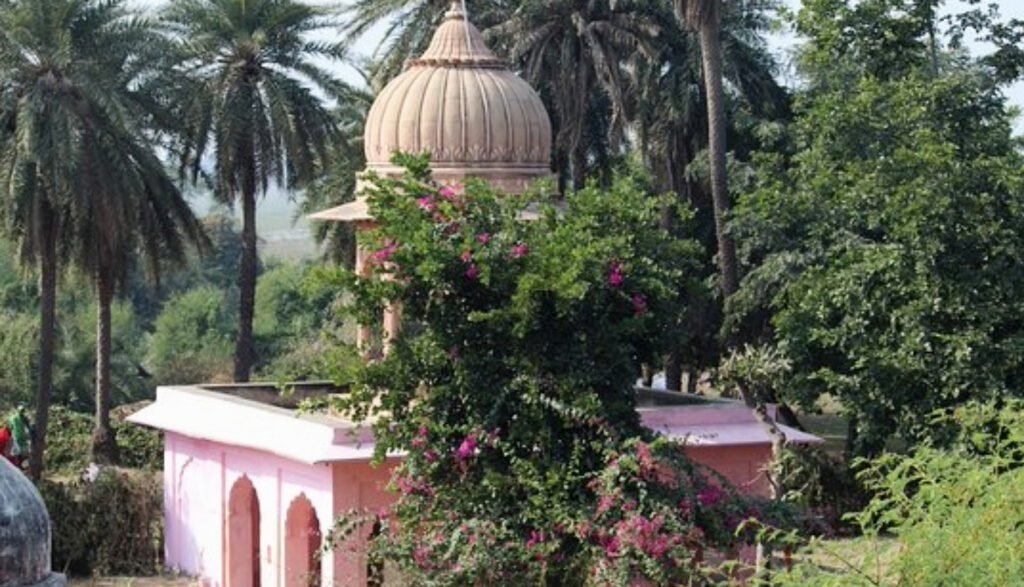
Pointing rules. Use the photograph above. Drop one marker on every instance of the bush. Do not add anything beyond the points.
(70, 433)
(510, 389)
(956, 514)
(112, 525)
(193, 339)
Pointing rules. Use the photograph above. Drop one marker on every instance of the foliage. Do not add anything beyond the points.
(110, 525)
(140, 448)
(252, 94)
(510, 388)
(955, 513)
(19, 335)
(191, 341)
(886, 247)
(298, 326)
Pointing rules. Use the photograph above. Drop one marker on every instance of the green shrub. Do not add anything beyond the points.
(112, 525)
(69, 436)
(956, 515)
(192, 342)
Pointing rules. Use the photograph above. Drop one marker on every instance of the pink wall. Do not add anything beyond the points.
(358, 487)
(198, 477)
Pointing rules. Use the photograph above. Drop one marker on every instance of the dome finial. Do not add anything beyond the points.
(457, 10)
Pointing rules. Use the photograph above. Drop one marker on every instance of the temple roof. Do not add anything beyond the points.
(464, 107)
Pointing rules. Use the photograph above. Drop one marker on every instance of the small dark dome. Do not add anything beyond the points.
(24, 530)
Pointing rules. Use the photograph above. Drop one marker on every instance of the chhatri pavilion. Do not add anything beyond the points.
(252, 485)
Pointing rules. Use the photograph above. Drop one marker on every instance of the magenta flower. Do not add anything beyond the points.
(450, 192)
(483, 238)
(467, 449)
(709, 496)
(431, 456)
(639, 305)
(472, 272)
(384, 254)
(467, 257)
(615, 276)
(427, 204)
(535, 539)
(612, 548)
(520, 250)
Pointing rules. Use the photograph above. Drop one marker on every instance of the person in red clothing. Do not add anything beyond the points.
(5, 445)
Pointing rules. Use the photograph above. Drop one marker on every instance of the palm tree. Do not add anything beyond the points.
(411, 25)
(254, 99)
(336, 183)
(82, 181)
(705, 17)
(669, 113)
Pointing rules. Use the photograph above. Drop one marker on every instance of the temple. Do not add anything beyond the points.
(252, 485)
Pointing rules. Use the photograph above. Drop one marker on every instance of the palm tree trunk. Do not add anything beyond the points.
(104, 446)
(711, 54)
(246, 287)
(47, 338)
(674, 360)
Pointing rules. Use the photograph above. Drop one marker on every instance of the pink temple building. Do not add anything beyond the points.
(253, 486)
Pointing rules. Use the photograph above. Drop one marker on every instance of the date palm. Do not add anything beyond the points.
(670, 116)
(336, 183)
(705, 17)
(81, 179)
(410, 26)
(254, 100)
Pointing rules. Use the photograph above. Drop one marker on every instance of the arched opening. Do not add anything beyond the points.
(243, 535)
(302, 542)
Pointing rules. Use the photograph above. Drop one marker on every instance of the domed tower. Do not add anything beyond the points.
(464, 107)
(24, 533)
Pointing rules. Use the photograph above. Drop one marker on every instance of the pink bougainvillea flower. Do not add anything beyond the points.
(535, 539)
(467, 449)
(450, 192)
(612, 548)
(520, 250)
(467, 257)
(483, 238)
(709, 496)
(472, 272)
(639, 304)
(385, 254)
(427, 204)
(430, 455)
(615, 276)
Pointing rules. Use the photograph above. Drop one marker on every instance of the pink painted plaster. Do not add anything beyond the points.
(213, 440)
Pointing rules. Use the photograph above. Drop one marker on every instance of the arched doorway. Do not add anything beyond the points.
(243, 535)
(302, 544)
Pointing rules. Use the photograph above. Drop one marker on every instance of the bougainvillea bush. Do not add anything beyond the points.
(510, 390)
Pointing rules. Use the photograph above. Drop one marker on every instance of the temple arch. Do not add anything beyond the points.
(243, 535)
(302, 562)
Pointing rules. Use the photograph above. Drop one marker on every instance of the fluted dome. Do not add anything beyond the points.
(466, 108)
(24, 532)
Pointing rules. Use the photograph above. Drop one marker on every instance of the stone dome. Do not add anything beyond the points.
(24, 532)
(463, 106)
